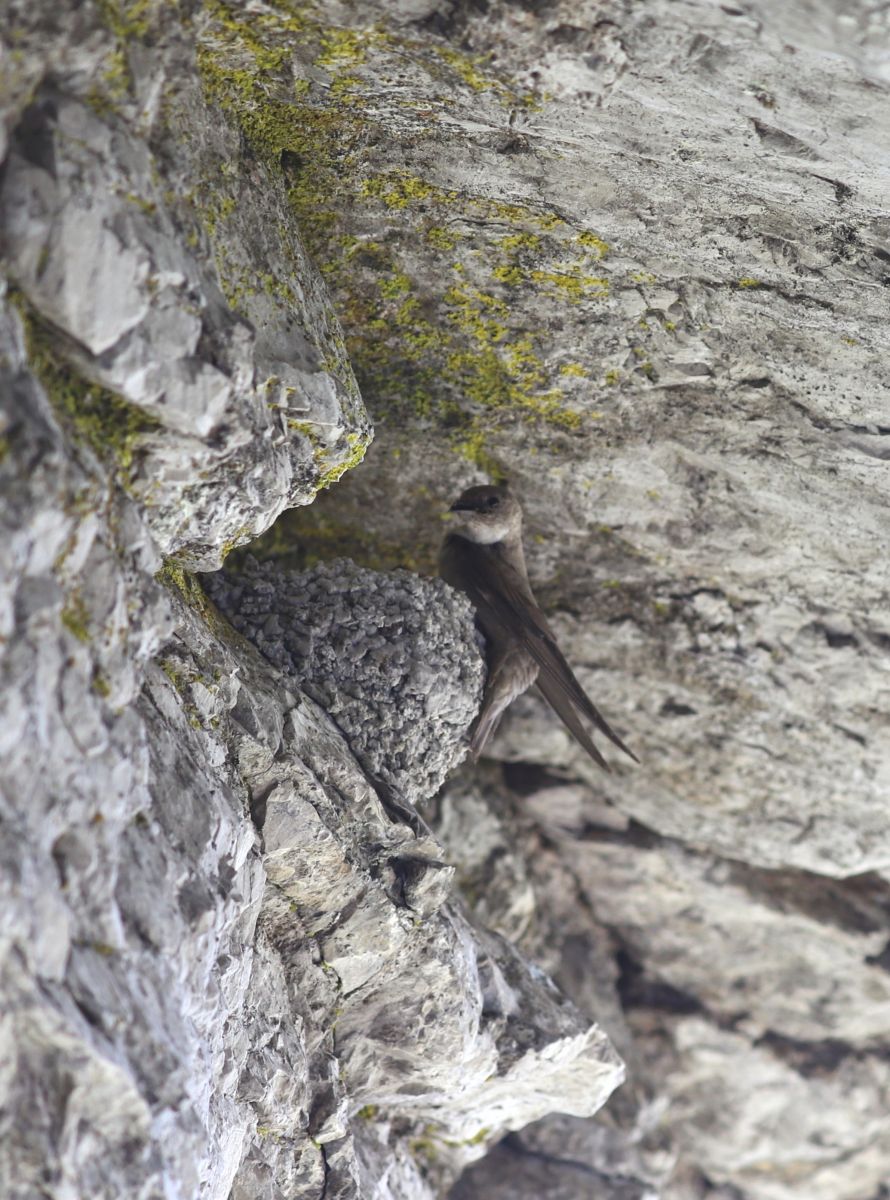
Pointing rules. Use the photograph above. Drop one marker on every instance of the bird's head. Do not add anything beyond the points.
(486, 514)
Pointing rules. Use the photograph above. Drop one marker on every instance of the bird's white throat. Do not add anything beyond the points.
(483, 535)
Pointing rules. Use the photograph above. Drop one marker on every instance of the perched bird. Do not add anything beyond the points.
(483, 556)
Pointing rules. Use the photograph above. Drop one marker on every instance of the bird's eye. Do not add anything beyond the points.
(492, 502)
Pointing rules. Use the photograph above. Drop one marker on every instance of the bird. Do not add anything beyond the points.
(482, 556)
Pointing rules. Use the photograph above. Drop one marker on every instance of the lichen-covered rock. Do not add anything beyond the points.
(226, 969)
(392, 658)
(631, 256)
(230, 397)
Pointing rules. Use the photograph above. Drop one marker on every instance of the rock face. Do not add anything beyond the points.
(168, 281)
(634, 258)
(225, 968)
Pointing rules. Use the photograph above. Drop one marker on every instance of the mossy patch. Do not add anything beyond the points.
(75, 617)
(186, 585)
(100, 685)
(108, 424)
(127, 19)
(440, 337)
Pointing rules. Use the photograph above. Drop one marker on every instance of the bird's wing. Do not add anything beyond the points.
(486, 723)
(566, 713)
(501, 595)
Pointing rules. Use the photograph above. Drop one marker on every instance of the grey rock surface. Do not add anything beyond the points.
(170, 276)
(632, 256)
(748, 1004)
(225, 969)
(391, 658)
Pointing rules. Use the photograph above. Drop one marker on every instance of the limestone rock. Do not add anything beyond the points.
(218, 948)
(632, 257)
(169, 282)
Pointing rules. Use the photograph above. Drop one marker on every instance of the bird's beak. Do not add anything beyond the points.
(458, 507)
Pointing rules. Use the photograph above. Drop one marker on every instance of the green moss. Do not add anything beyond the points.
(468, 69)
(441, 239)
(75, 617)
(176, 579)
(572, 283)
(147, 206)
(476, 1140)
(397, 285)
(303, 537)
(748, 282)
(127, 19)
(476, 313)
(171, 669)
(424, 1147)
(574, 370)
(111, 426)
(367, 1113)
(356, 455)
(512, 276)
(342, 47)
(238, 538)
(472, 447)
(101, 686)
(441, 355)
(520, 241)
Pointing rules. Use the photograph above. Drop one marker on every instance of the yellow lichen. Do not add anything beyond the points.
(344, 47)
(591, 242)
(520, 241)
(572, 284)
(442, 239)
(396, 189)
(442, 352)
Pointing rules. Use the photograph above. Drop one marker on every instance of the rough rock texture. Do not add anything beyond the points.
(225, 969)
(637, 264)
(634, 256)
(169, 277)
(392, 658)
